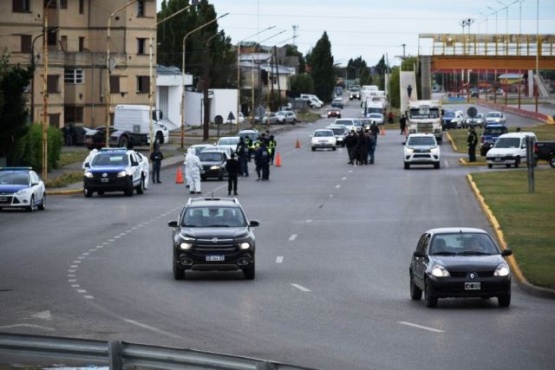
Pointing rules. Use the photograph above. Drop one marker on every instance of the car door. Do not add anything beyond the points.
(419, 264)
(136, 169)
(38, 189)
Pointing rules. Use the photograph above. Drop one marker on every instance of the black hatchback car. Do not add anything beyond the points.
(213, 234)
(459, 263)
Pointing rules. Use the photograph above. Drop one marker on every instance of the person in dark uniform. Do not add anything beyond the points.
(242, 151)
(262, 160)
(156, 157)
(233, 168)
(472, 141)
(350, 144)
(403, 123)
(361, 148)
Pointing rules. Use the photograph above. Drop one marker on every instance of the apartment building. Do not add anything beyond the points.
(81, 35)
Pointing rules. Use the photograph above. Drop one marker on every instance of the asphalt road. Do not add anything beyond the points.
(331, 290)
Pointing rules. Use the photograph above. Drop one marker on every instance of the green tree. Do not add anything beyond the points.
(301, 83)
(394, 92)
(292, 51)
(322, 68)
(13, 111)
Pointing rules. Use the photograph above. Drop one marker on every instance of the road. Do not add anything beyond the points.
(331, 289)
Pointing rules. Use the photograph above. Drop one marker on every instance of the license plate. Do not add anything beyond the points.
(215, 258)
(104, 180)
(497, 159)
(3, 199)
(472, 286)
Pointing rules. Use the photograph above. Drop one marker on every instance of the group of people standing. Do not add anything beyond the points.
(362, 145)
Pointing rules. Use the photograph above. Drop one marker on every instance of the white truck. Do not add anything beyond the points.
(424, 116)
(373, 105)
(132, 125)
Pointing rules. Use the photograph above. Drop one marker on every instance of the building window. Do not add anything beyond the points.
(50, 4)
(141, 46)
(73, 114)
(114, 84)
(143, 84)
(63, 4)
(81, 6)
(54, 120)
(74, 76)
(140, 8)
(52, 84)
(26, 44)
(81, 44)
(21, 6)
(52, 36)
(63, 41)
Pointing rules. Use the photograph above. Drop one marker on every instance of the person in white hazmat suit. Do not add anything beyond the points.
(193, 169)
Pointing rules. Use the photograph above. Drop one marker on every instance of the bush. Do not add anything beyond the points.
(29, 149)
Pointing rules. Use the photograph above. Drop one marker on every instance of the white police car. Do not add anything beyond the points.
(21, 187)
(421, 148)
(116, 169)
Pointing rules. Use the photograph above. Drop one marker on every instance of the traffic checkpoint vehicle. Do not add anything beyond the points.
(21, 188)
(116, 169)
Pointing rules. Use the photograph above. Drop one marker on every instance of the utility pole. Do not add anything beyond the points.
(45, 93)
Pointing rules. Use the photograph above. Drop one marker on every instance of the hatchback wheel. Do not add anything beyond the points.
(178, 273)
(42, 205)
(504, 300)
(415, 292)
(250, 272)
(431, 300)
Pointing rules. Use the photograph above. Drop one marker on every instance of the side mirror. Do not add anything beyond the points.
(419, 254)
(404, 143)
(172, 223)
(254, 223)
(506, 252)
(87, 165)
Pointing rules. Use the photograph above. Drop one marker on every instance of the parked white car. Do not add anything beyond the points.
(421, 148)
(495, 117)
(286, 116)
(509, 149)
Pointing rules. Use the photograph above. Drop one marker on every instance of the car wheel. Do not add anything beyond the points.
(124, 141)
(490, 165)
(415, 292)
(333, 148)
(31, 206)
(160, 138)
(552, 161)
(437, 165)
(42, 205)
(313, 149)
(431, 300)
(504, 300)
(101, 192)
(89, 193)
(141, 187)
(517, 162)
(178, 273)
(407, 166)
(250, 272)
(129, 190)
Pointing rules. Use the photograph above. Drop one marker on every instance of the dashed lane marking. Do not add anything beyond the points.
(279, 259)
(301, 288)
(292, 237)
(421, 327)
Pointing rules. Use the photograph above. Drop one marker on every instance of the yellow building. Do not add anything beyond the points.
(76, 50)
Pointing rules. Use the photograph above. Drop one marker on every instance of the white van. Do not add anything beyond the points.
(509, 149)
(313, 100)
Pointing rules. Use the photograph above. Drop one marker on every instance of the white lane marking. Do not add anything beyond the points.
(331, 195)
(309, 220)
(88, 297)
(344, 178)
(446, 163)
(70, 275)
(71, 271)
(28, 326)
(337, 186)
(151, 328)
(82, 291)
(279, 259)
(77, 262)
(72, 280)
(44, 315)
(421, 327)
(300, 287)
(73, 267)
(292, 237)
(75, 286)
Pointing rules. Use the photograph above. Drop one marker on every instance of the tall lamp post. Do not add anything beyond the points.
(109, 67)
(45, 93)
(151, 75)
(183, 74)
(239, 70)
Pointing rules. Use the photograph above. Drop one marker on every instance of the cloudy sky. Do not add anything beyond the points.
(372, 28)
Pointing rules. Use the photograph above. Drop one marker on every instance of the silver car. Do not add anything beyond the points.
(286, 116)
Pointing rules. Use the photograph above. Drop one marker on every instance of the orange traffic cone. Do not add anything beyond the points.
(278, 160)
(297, 144)
(179, 176)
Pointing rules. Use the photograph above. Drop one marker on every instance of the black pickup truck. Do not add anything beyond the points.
(545, 150)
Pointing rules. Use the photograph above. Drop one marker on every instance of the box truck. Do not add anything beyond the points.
(132, 125)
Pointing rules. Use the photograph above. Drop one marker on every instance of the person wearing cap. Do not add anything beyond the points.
(233, 168)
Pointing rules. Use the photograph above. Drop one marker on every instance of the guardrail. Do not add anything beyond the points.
(119, 355)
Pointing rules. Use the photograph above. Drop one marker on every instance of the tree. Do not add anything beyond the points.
(322, 70)
(394, 92)
(301, 83)
(14, 80)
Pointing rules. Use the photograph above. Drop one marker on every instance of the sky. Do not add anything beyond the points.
(374, 28)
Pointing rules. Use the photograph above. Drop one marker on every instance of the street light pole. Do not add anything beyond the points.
(107, 96)
(151, 76)
(183, 74)
(239, 71)
(45, 93)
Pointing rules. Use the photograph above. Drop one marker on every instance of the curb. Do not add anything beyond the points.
(523, 283)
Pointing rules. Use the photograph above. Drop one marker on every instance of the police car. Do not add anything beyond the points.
(21, 187)
(116, 169)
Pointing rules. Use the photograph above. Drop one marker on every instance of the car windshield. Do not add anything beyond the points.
(462, 243)
(213, 217)
(345, 122)
(420, 113)
(493, 115)
(14, 178)
(449, 114)
(228, 141)
(110, 160)
(323, 133)
(496, 131)
(210, 156)
(421, 140)
(507, 142)
(375, 115)
(338, 130)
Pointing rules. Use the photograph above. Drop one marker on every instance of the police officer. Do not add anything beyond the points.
(272, 148)
(262, 160)
(242, 151)
(156, 157)
(233, 168)
(472, 141)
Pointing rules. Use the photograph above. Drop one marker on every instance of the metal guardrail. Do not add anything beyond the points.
(119, 355)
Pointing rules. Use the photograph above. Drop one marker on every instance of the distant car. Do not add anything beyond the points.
(459, 263)
(322, 139)
(334, 112)
(96, 138)
(229, 142)
(340, 133)
(477, 121)
(354, 93)
(213, 234)
(510, 149)
(286, 116)
(78, 132)
(350, 123)
(495, 117)
(452, 119)
(21, 188)
(213, 163)
(234, 121)
(251, 133)
(421, 148)
(337, 103)
(338, 91)
(376, 117)
(200, 147)
(269, 118)
(489, 136)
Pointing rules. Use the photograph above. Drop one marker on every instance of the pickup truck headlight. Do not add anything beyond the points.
(214, 168)
(88, 174)
(244, 246)
(185, 242)
(122, 173)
